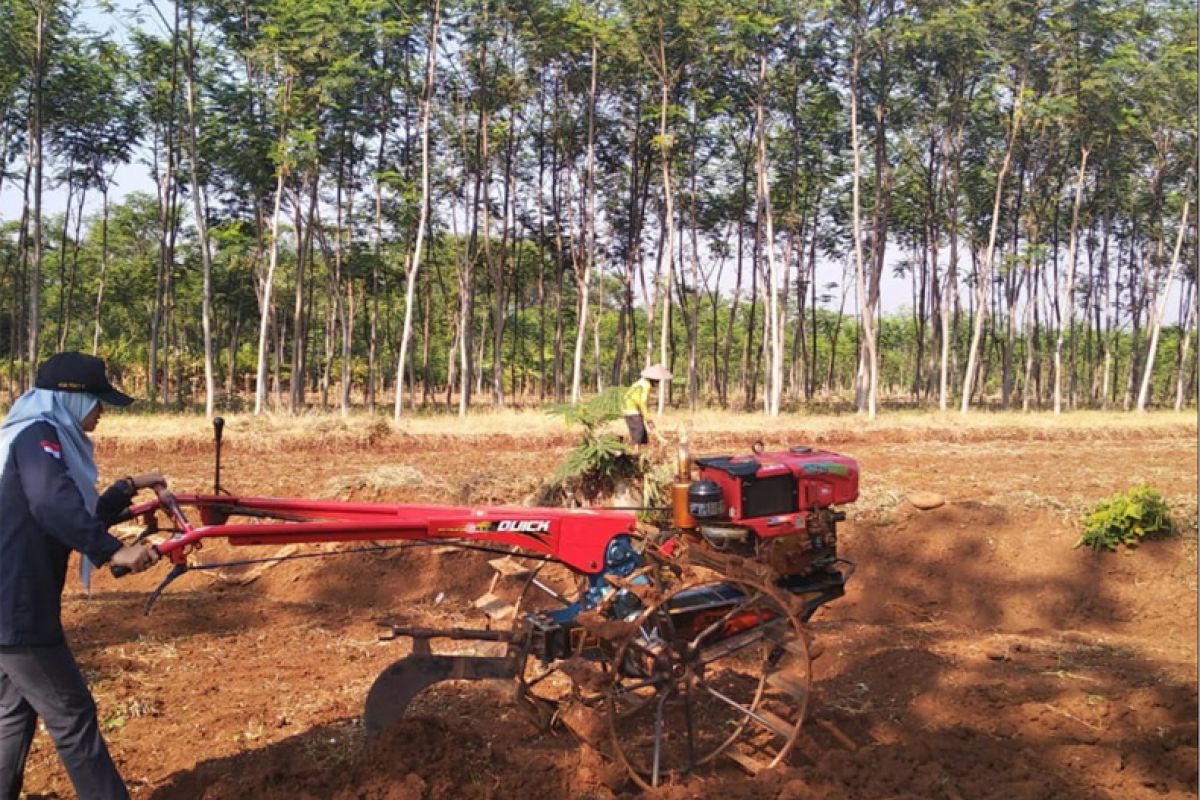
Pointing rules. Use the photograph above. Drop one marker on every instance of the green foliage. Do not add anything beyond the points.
(324, 95)
(600, 455)
(1125, 518)
(597, 410)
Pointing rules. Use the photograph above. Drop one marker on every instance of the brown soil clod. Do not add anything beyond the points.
(926, 501)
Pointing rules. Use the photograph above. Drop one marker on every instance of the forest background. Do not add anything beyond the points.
(404, 205)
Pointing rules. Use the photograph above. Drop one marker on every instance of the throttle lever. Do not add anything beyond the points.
(167, 501)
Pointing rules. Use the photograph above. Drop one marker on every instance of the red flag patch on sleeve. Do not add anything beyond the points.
(53, 448)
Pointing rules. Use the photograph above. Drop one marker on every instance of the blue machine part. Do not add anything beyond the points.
(620, 559)
(711, 595)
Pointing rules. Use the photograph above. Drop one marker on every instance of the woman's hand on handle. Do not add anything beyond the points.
(133, 558)
(144, 480)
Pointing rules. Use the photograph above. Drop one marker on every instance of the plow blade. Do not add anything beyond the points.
(397, 685)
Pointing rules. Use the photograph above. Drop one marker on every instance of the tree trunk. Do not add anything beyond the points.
(559, 252)
(1155, 322)
(260, 388)
(666, 142)
(773, 330)
(299, 317)
(735, 300)
(97, 328)
(985, 274)
(588, 236)
(950, 294)
(36, 158)
(343, 284)
(1067, 299)
(866, 312)
(1187, 321)
(627, 322)
(72, 278)
(166, 194)
(414, 263)
(60, 323)
(199, 209)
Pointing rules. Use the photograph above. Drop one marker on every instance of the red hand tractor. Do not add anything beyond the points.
(669, 648)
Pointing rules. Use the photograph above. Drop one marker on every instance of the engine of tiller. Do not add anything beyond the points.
(775, 508)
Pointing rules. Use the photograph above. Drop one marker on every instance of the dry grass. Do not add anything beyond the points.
(876, 500)
(268, 432)
(379, 480)
(951, 427)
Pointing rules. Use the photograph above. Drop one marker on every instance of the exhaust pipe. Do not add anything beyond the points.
(681, 515)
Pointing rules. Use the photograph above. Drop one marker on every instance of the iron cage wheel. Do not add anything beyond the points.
(716, 666)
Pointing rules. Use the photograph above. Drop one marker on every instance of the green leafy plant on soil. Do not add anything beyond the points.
(600, 463)
(600, 454)
(602, 468)
(1125, 519)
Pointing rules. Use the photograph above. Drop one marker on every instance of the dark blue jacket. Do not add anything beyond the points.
(42, 519)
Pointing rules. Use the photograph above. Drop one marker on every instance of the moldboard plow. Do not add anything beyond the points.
(668, 648)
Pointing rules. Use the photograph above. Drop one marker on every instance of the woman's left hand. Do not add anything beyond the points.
(135, 557)
(144, 480)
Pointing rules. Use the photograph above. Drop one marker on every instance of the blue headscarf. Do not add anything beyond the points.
(65, 411)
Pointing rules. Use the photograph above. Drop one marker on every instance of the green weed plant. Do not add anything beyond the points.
(602, 460)
(599, 454)
(1125, 519)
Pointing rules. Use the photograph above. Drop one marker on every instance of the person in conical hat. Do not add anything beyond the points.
(635, 404)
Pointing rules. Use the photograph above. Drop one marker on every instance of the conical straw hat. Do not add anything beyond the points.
(656, 372)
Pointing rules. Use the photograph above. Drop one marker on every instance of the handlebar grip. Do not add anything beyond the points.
(119, 571)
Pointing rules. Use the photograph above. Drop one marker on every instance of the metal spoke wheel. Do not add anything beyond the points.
(551, 586)
(717, 668)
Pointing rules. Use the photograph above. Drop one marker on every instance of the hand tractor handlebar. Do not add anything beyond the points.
(165, 499)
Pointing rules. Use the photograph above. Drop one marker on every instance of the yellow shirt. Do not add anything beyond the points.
(635, 399)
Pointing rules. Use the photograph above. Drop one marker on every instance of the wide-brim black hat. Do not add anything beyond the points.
(77, 372)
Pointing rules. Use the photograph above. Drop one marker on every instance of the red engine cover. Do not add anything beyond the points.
(776, 489)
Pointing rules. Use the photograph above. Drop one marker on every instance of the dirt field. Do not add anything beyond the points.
(977, 654)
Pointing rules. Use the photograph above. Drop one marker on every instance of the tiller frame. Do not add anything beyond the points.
(667, 648)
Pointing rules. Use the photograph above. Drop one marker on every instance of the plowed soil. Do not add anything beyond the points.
(977, 654)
